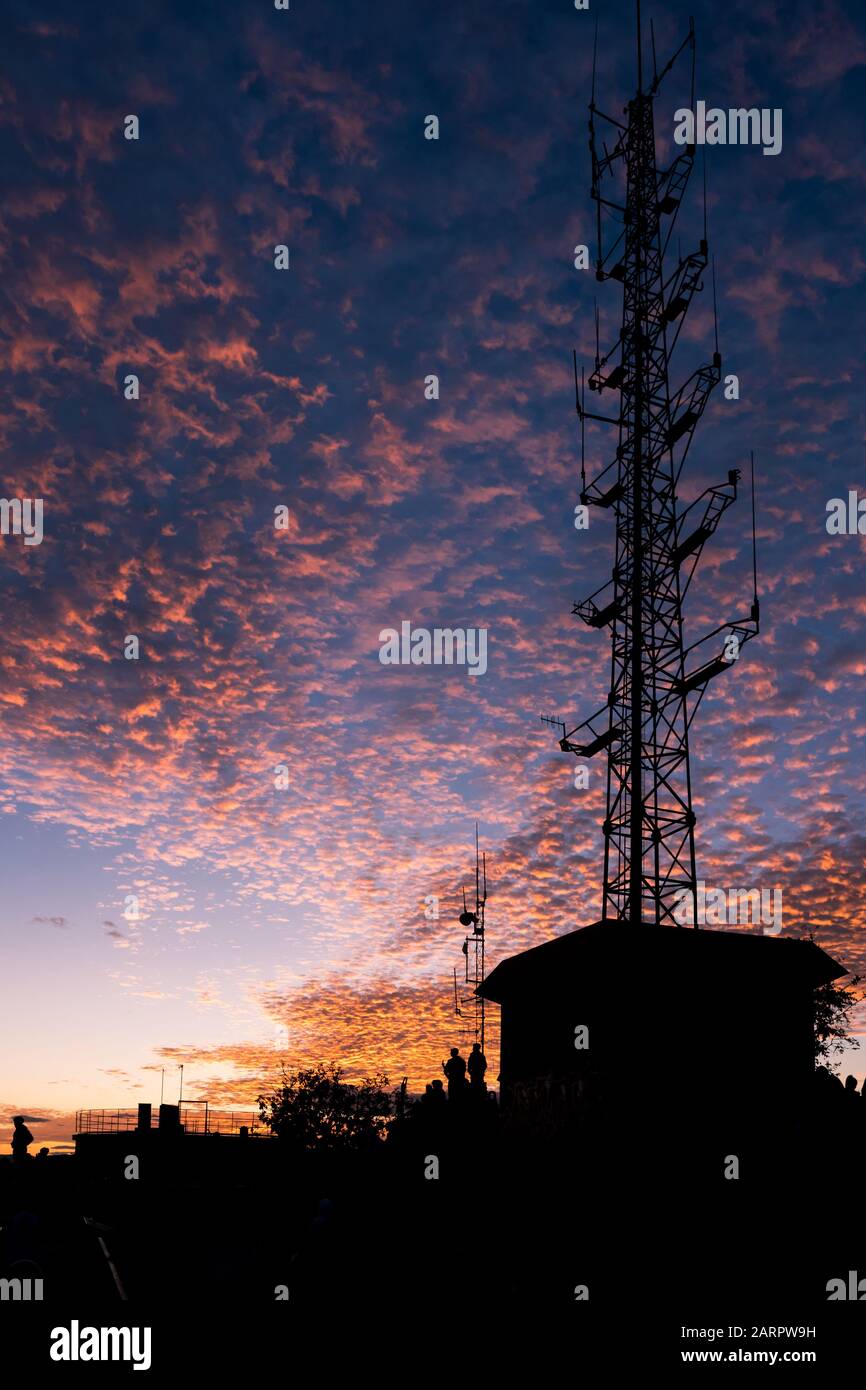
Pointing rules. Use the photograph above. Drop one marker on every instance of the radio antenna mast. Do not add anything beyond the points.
(657, 681)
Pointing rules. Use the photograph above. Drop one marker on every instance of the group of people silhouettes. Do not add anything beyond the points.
(467, 1100)
(843, 1097)
(459, 1088)
(456, 1068)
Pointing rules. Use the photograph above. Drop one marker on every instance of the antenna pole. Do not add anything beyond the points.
(639, 58)
(582, 434)
(483, 901)
(754, 541)
(598, 253)
(704, 163)
(579, 408)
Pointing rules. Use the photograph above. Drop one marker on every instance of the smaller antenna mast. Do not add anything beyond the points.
(582, 432)
(579, 408)
(755, 605)
(473, 943)
(597, 349)
(704, 162)
(639, 57)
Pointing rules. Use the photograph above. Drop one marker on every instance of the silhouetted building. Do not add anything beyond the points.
(184, 1135)
(684, 1022)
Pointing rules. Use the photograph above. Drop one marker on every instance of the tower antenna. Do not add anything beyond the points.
(657, 681)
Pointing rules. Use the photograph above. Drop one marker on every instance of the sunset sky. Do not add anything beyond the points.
(302, 909)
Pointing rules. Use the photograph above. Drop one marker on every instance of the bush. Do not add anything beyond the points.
(315, 1109)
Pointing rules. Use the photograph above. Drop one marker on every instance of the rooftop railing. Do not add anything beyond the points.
(197, 1122)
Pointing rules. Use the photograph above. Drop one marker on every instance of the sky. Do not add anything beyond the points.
(165, 902)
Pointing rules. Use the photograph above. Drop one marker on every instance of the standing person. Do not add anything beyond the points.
(21, 1138)
(455, 1070)
(477, 1068)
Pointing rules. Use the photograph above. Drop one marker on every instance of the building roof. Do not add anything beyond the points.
(607, 947)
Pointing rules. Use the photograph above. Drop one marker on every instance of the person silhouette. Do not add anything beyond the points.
(455, 1070)
(477, 1067)
(437, 1092)
(21, 1138)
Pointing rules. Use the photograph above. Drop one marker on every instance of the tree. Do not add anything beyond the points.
(314, 1108)
(833, 1024)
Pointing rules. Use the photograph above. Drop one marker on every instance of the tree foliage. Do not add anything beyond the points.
(314, 1108)
(833, 1023)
